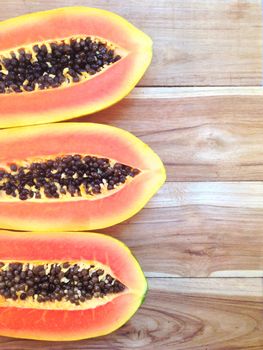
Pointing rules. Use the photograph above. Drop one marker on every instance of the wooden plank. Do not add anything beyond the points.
(198, 230)
(224, 194)
(196, 42)
(200, 133)
(182, 314)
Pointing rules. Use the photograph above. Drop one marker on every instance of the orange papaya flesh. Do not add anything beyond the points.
(80, 211)
(49, 96)
(65, 320)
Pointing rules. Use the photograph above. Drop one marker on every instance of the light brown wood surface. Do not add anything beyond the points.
(199, 229)
(200, 239)
(200, 133)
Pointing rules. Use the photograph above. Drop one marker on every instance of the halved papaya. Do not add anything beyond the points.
(74, 176)
(63, 63)
(66, 286)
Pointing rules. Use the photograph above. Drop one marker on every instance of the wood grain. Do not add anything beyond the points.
(200, 133)
(198, 230)
(182, 314)
(196, 42)
(224, 194)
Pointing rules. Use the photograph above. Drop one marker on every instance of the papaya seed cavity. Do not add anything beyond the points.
(64, 177)
(56, 282)
(53, 64)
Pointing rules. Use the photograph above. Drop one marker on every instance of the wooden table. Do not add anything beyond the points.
(200, 239)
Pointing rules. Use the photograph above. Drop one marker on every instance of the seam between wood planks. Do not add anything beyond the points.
(165, 92)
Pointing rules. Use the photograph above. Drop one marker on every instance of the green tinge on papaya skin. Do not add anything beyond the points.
(47, 255)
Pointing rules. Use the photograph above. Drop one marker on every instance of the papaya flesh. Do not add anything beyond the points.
(53, 285)
(63, 63)
(74, 176)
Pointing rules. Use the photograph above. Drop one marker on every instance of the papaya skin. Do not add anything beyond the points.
(89, 96)
(81, 138)
(74, 324)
